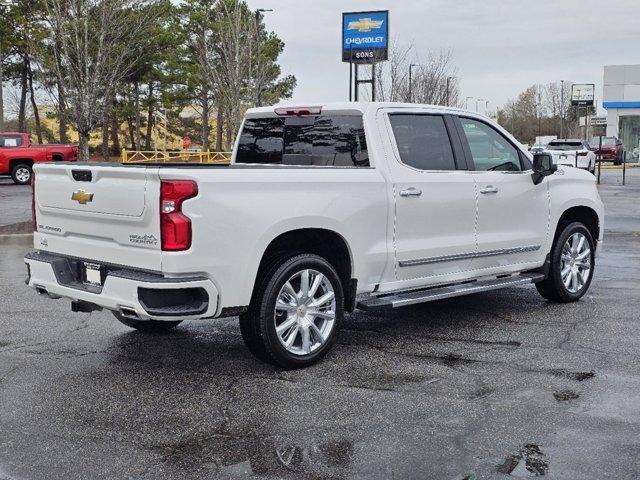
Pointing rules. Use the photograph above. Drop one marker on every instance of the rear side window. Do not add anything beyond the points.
(10, 141)
(423, 141)
(325, 140)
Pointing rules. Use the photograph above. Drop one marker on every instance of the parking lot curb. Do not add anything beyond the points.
(17, 239)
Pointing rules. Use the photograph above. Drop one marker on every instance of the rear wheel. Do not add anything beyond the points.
(21, 174)
(572, 263)
(296, 312)
(150, 326)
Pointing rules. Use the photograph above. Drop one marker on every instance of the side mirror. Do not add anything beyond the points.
(542, 166)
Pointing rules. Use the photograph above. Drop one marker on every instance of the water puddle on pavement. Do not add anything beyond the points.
(565, 395)
(579, 376)
(528, 462)
(263, 455)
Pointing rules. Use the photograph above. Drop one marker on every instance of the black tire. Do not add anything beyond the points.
(258, 326)
(18, 173)
(147, 326)
(553, 288)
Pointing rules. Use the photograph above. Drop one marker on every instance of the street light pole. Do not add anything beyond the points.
(561, 108)
(3, 11)
(258, 12)
(448, 90)
(466, 103)
(411, 65)
(478, 100)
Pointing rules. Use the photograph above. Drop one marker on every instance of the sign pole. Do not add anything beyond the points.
(350, 71)
(373, 82)
(600, 162)
(357, 85)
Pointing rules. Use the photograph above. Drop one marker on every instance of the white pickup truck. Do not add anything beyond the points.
(323, 210)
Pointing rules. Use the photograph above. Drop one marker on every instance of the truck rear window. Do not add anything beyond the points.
(325, 140)
(10, 141)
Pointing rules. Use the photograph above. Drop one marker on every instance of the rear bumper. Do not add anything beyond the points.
(133, 293)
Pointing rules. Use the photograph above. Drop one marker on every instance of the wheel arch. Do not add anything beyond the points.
(583, 214)
(20, 161)
(324, 242)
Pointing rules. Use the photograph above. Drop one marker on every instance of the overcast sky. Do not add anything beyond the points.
(500, 47)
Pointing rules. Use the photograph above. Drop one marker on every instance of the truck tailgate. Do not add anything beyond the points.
(104, 213)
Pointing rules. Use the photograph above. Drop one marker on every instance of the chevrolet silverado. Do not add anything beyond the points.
(323, 210)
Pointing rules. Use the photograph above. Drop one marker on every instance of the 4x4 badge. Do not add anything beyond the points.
(82, 197)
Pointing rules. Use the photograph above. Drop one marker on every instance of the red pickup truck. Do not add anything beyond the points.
(18, 154)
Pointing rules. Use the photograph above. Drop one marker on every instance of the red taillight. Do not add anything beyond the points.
(298, 111)
(175, 226)
(33, 201)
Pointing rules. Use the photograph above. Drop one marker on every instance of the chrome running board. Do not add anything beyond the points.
(401, 299)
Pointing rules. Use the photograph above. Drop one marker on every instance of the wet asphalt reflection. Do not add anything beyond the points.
(495, 385)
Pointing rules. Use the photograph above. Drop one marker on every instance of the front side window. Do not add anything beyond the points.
(422, 141)
(325, 140)
(10, 141)
(489, 149)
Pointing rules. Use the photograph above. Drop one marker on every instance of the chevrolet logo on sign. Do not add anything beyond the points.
(82, 197)
(364, 25)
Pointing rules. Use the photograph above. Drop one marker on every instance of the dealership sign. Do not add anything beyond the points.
(583, 94)
(365, 36)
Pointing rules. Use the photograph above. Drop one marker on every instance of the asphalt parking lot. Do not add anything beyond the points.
(495, 385)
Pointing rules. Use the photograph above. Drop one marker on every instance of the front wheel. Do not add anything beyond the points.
(21, 174)
(149, 326)
(572, 263)
(296, 312)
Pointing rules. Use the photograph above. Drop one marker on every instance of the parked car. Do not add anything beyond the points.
(537, 148)
(573, 153)
(18, 155)
(611, 149)
(322, 210)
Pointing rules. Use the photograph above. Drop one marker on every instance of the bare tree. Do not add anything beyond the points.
(227, 55)
(94, 52)
(433, 80)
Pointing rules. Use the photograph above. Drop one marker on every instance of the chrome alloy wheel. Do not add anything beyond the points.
(305, 312)
(575, 262)
(23, 175)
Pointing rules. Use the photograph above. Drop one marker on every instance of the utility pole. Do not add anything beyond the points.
(258, 12)
(411, 65)
(448, 90)
(561, 108)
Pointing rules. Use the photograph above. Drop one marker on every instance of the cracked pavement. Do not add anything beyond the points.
(494, 385)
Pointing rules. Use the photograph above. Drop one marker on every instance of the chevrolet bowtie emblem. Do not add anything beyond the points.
(364, 25)
(82, 197)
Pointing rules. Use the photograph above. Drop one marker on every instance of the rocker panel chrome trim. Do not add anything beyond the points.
(466, 256)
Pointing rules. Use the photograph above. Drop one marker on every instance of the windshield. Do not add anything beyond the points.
(565, 146)
(606, 141)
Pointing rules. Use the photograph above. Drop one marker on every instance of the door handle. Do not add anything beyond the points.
(410, 192)
(489, 189)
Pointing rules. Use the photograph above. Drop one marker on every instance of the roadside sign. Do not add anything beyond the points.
(598, 121)
(365, 36)
(186, 143)
(583, 94)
